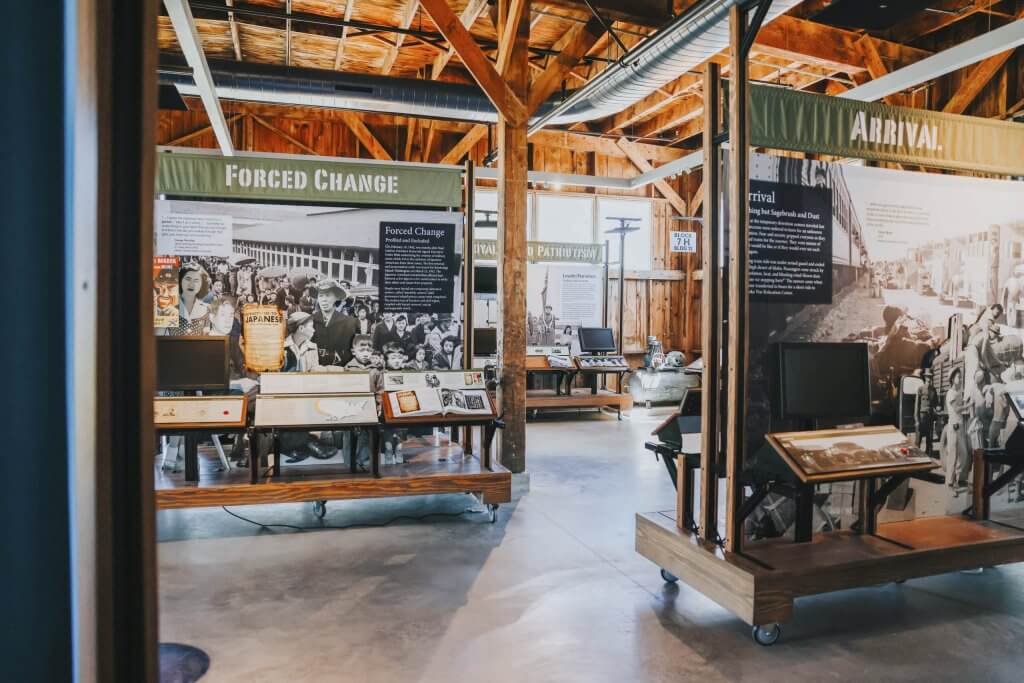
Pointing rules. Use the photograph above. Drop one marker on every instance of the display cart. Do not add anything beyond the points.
(486, 426)
(759, 582)
(198, 418)
(591, 396)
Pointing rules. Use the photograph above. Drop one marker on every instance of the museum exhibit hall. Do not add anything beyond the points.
(514, 340)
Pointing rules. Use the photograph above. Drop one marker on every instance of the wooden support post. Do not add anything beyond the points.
(739, 254)
(512, 167)
(711, 312)
(469, 323)
(982, 475)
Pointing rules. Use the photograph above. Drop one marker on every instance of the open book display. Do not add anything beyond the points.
(315, 399)
(602, 363)
(461, 393)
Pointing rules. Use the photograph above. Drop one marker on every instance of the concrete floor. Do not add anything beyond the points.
(552, 592)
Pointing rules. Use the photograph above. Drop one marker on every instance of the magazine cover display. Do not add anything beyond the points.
(415, 394)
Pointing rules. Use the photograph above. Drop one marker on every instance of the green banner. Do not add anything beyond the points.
(307, 180)
(564, 252)
(805, 122)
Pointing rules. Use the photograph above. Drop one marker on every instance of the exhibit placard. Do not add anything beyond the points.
(315, 411)
(419, 267)
(452, 379)
(192, 411)
(788, 119)
(309, 180)
(683, 242)
(790, 243)
(165, 291)
(350, 382)
(192, 233)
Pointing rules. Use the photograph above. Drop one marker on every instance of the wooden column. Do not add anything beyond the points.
(512, 167)
(711, 310)
(739, 340)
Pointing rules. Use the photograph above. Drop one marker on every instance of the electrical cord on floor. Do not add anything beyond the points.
(411, 518)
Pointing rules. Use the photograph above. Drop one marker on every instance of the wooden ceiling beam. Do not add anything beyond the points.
(642, 165)
(235, 43)
(283, 135)
(977, 78)
(572, 47)
(647, 13)
(464, 145)
(468, 17)
(489, 80)
(507, 35)
(339, 52)
(938, 16)
(202, 130)
(405, 21)
(834, 48)
(875, 66)
(365, 136)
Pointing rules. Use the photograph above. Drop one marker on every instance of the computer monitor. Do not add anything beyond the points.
(485, 341)
(192, 364)
(821, 380)
(485, 282)
(596, 340)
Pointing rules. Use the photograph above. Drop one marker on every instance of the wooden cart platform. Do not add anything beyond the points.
(760, 584)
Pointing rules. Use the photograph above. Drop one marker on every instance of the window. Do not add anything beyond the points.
(638, 244)
(487, 200)
(563, 218)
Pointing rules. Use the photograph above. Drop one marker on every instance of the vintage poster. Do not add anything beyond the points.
(263, 331)
(559, 300)
(165, 291)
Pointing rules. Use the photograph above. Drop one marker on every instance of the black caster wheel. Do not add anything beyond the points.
(766, 635)
(668, 576)
(320, 508)
(492, 510)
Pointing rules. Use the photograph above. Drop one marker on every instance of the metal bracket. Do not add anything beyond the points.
(608, 27)
(755, 25)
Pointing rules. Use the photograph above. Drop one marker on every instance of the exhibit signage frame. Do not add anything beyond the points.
(307, 179)
(807, 122)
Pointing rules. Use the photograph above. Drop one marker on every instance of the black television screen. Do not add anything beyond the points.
(822, 380)
(596, 339)
(192, 364)
(485, 341)
(485, 279)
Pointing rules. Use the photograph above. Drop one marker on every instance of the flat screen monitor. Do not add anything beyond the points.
(596, 340)
(821, 380)
(485, 341)
(1016, 400)
(192, 364)
(485, 281)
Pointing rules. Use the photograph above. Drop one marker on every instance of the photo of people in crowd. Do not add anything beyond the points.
(307, 261)
(928, 272)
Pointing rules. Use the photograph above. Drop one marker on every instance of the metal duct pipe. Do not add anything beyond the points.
(688, 41)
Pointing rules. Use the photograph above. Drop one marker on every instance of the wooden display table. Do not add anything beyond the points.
(538, 399)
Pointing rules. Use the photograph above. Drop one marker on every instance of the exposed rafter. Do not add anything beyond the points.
(468, 17)
(489, 80)
(572, 47)
(365, 136)
(191, 47)
(339, 52)
(408, 14)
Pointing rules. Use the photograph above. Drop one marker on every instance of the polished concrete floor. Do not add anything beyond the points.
(552, 592)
